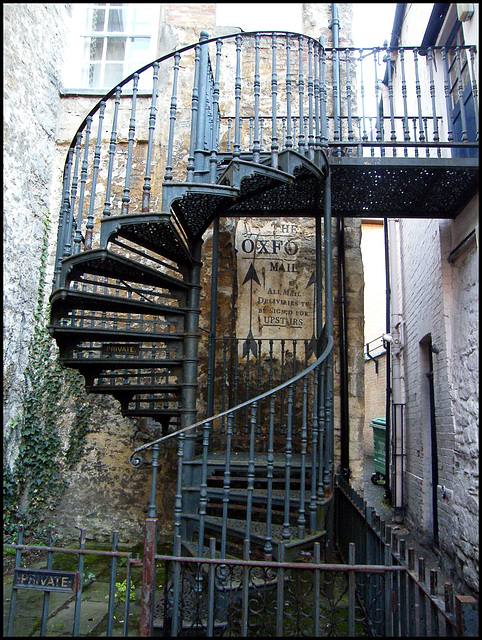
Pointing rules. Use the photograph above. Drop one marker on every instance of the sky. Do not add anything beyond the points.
(372, 23)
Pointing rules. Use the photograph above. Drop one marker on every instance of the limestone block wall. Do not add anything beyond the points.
(35, 37)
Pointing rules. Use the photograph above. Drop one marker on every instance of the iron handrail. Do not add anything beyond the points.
(135, 460)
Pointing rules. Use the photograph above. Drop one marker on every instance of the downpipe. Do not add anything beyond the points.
(395, 339)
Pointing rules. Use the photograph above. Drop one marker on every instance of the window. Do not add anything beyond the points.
(113, 39)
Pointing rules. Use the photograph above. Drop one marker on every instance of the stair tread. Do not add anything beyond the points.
(109, 363)
(97, 301)
(120, 335)
(145, 230)
(258, 529)
(103, 262)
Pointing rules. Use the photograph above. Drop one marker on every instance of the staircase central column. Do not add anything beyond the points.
(191, 342)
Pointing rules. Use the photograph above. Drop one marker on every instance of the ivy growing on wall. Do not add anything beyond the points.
(37, 481)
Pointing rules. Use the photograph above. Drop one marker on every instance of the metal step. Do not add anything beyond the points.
(158, 232)
(65, 300)
(196, 204)
(252, 178)
(102, 262)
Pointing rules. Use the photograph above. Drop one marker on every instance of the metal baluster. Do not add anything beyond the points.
(304, 443)
(95, 173)
(282, 397)
(194, 110)
(434, 618)
(288, 454)
(268, 547)
(68, 221)
(216, 124)
(113, 573)
(419, 98)
(225, 383)
(226, 485)
(422, 611)
(258, 427)
(73, 193)
(316, 590)
(448, 105)
(78, 595)
(393, 134)
(62, 223)
(314, 96)
(314, 453)
(289, 139)
(362, 95)
(245, 591)
(436, 137)
(323, 109)
(83, 180)
(474, 91)
(250, 485)
(178, 496)
(211, 586)
(203, 494)
(256, 147)
(236, 367)
(176, 578)
(425, 128)
(251, 125)
(237, 99)
(112, 147)
(146, 190)
(201, 112)
(280, 582)
(348, 96)
(229, 134)
(274, 93)
(379, 125)
(301, 88)
(460, 91)
(172, 118)
(261, 147)
(406, 131)
(132, 121)
(45, 606)
(414, 121)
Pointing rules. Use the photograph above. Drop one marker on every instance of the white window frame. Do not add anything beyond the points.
(74, 70)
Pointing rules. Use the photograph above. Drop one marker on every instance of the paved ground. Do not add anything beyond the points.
(95, 590)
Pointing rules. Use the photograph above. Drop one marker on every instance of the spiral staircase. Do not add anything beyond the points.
(126, 298)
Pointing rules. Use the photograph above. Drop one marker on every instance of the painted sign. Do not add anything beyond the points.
(275, 261)
(44, 580)
(120, 348)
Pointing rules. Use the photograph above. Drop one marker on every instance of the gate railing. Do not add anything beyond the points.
(417, 609)
(234, 598)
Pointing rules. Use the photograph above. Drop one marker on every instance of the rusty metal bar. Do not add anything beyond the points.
(148, 578)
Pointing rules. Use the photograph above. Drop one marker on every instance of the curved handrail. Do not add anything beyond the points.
(135, 460)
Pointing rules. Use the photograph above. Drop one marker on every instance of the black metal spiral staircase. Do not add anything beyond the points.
(126, 298)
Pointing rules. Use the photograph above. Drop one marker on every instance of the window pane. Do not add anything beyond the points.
(141, 19)
(94, 48)
(116, 49)
(138, 50)
(113, 74)
(91, 75)
(96, 19)
(116, 20)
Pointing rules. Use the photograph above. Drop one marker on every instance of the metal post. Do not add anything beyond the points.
(148, 578)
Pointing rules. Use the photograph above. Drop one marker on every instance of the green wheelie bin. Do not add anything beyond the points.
(379, 426)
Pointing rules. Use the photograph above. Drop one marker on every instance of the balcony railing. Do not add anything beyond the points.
(252, 95)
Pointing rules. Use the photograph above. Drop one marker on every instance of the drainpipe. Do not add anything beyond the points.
(395, 340)
(342, 324)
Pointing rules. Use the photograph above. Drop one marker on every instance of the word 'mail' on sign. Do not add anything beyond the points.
(120, 348)
(44, 580)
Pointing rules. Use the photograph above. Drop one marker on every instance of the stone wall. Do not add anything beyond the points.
(440, 301)
(35, 37)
